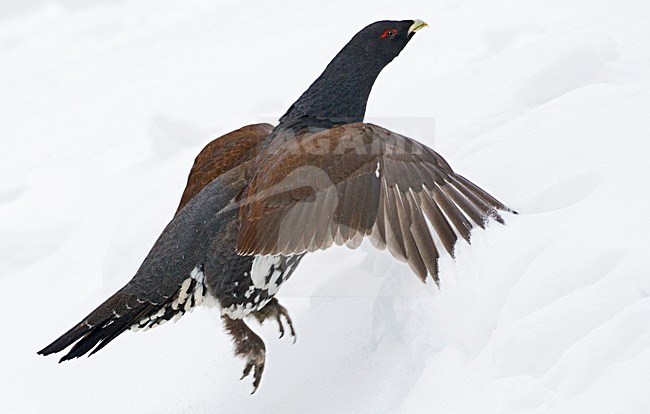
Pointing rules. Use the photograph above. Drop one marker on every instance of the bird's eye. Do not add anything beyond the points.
(388, 33)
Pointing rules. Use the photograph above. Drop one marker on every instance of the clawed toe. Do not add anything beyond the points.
(276, 311)
(250, 347)
(282, 311)
(254, 365)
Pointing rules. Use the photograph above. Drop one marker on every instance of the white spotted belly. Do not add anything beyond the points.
(267, 274)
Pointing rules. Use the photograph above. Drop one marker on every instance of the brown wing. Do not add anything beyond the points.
(361, 180)
(220, 155)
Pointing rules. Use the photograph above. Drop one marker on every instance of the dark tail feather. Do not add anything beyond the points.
(104, 324)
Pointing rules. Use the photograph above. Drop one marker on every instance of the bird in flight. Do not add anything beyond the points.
(261, 197)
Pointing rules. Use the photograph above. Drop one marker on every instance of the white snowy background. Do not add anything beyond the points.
(546, 104)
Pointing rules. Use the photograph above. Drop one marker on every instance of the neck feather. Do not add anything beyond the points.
(339, 95)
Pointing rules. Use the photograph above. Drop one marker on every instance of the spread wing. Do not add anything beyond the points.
(360, 180)
(220, 155)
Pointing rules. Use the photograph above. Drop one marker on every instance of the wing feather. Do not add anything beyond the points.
(220, 155)
(439, 222)
(452, 212)
(422, 236)
(364, 181)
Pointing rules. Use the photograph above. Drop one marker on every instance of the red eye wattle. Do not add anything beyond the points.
(388, 33)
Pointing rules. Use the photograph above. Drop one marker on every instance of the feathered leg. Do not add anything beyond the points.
(248, 346)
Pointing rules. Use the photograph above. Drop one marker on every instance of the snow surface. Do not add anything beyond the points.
(544, 103)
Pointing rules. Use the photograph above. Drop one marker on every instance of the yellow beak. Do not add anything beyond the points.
(417, 25)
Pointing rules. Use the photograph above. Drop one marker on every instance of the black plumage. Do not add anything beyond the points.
(258, 199)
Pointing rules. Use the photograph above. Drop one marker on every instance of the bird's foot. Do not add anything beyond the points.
(255, 365)
(250, 347)
(274, 310)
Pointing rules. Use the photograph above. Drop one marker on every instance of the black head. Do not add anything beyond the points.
(380, 42)
(340, 93)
